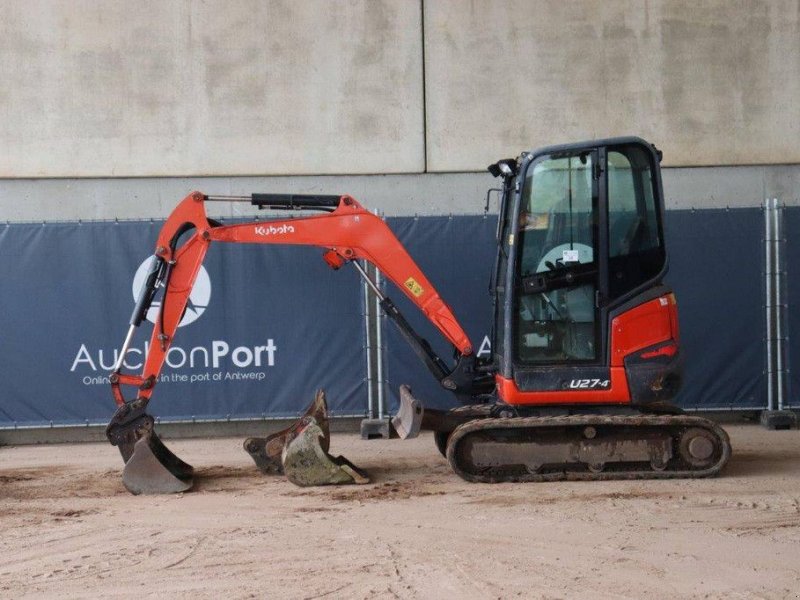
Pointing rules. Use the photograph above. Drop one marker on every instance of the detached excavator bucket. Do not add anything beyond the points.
(300, 451)
(267, 452)
(150, 467)
(307, 463)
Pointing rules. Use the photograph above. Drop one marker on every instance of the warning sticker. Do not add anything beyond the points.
(414, 287)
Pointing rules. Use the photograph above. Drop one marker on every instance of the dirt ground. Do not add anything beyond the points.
(68, 529)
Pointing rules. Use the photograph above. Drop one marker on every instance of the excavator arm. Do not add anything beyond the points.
(347, 233)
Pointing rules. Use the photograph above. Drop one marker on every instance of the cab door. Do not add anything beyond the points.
(558, 281)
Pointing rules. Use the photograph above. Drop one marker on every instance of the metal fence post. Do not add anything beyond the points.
(776, 416)
(376, 425)
(368, 347)
(780, 327)
(379, 342)
(768, 300)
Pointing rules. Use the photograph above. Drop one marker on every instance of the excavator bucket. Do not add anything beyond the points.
(150, 467)
(307, 463)
(300, 451)
(267, 452)
(408, 420)
(154, 469)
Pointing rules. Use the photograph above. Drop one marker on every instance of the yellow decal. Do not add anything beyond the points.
(414, 287)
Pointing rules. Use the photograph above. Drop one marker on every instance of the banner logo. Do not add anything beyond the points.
(216, 360)
(198, 299)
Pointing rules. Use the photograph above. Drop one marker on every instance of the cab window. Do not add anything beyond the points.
(635, 243)
(556, 320)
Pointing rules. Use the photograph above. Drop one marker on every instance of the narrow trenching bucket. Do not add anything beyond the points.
(150, 467)
(267, 452)
(307, 463)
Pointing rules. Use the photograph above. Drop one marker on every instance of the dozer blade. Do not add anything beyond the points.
(154, 469)
(408, 420)
(267, 451)
(307, 463)
(150, 467)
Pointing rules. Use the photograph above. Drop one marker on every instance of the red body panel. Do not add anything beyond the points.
(648, 324)
(617, 393)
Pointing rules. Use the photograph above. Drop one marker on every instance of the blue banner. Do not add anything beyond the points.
(268, 325)
(716, 269)
(457, 254)
(790, 247)
(265, 328)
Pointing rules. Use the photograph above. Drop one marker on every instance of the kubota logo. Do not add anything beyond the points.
(195, 306)
(272, 230)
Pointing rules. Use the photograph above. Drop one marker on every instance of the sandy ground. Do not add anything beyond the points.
(68, 529)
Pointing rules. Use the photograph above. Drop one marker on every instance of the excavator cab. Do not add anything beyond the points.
(581, 242)
(586, 332)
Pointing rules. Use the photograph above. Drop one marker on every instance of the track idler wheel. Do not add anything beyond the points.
(697, 447)
(150, 467)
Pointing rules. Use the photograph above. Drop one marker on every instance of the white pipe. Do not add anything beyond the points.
(365, 276)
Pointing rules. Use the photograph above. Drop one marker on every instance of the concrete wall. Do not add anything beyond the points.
(223, 87)
(711, 83)
(153, 99)
(393, 195)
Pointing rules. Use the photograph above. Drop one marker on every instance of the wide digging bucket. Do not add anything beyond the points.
(267, 452)
(150, 467)
(306, 461)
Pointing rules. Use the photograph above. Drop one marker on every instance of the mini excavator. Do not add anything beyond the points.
(585, 342)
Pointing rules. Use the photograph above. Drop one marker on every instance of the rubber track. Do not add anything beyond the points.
(671, 423)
